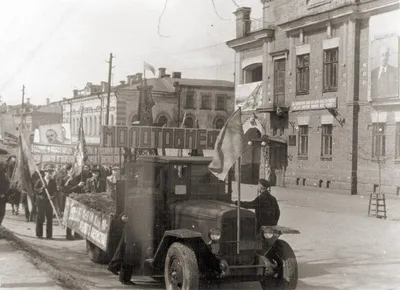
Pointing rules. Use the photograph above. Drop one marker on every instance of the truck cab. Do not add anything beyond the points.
(182, 227)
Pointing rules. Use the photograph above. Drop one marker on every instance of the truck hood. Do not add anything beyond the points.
(206, 209)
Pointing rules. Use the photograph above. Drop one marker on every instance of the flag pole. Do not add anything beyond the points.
(238, 165)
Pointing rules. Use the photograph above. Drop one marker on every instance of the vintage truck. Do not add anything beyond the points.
(182, 228)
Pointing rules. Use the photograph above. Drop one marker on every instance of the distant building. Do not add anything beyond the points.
(210, 101)
(304, 70)
(34, 116)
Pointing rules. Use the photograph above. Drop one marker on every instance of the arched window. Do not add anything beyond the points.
(219, 123)
(162, 120)
(95, 125)
(90, 126)
(189, 122)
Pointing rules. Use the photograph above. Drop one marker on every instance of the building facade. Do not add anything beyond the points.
(305, 79)
(209, 101)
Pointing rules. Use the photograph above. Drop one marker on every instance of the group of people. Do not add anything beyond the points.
(54, 184)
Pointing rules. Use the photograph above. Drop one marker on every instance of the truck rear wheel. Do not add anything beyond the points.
(96, 255)
(181, 271)
(286, 275)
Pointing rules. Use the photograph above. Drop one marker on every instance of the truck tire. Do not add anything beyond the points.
(287, 271)
(96, 255)
(181, 271)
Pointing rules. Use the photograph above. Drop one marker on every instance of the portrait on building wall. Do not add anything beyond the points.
(384, 65)
(55, 134)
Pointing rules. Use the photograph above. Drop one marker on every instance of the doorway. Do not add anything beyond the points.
(278, 163)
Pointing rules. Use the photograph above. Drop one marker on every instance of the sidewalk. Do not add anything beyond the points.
(322, 201)
(16, 271)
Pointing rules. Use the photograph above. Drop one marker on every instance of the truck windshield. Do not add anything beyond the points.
(203, 182)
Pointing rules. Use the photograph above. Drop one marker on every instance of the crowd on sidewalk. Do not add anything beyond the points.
(59, 182)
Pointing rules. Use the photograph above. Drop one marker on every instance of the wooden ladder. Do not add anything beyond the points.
(377, 205)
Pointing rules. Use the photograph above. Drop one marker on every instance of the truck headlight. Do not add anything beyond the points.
(214, 234)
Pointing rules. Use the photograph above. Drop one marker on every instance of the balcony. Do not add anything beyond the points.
(249, 96)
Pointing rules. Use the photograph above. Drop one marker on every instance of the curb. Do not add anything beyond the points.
(42, 262)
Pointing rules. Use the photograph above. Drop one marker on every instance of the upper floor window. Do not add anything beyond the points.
(219, 123)
(303, 73)
(190, 100)
(253, 73)
(221, 103)
(378, 140)
(331, 69)
(303, 141)
(162, 120)
(189, 122)
(326, 141)
(111, 120)
(206, 101)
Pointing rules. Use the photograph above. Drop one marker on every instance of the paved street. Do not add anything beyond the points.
(16, 271)
(339, 246)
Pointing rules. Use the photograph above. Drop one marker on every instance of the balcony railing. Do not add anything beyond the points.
(249, 96)
(256, 24)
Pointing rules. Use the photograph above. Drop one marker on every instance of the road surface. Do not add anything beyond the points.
(336, 249)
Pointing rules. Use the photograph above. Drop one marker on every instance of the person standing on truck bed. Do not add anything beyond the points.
(45, 209)
(93, 184)
(265, 204)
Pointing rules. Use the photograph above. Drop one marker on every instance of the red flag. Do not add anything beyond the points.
(80, 150)
(24, 168)
(228, 146)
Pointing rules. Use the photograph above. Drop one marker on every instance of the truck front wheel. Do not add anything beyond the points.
(286, 272)
(96, 255)
(181, 270)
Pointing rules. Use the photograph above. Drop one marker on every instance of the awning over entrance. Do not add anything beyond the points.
(277, 139)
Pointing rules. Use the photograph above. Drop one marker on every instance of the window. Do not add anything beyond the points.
(331, 65)
(189, 122)
(112, 120)
(303, 74)
(86, 125)
(206, 101)
(279, 82)
(162, 120)
(378, 140)
(221, 103)
(303, 141)
(90, 125)
(190, 100)
(95, 125)
(73, 126)
(219, 123)
(326, 141)
(397, 140)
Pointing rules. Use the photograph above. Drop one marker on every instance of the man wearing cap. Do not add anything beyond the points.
(112, 181)
(265, 204)
(93, 183)
(45, 209)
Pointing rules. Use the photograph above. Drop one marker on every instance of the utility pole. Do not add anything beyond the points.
(110, 67)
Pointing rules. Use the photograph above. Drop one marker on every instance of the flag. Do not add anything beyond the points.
(80, 150)
(149, 67)
(180, 151)
(228, 146)
(24, 168)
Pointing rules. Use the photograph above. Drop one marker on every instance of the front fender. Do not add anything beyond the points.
(205, 257)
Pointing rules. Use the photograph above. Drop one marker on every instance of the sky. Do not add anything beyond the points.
(55, 46)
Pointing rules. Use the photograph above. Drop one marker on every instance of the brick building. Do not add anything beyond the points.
(304, 80)
(210, 101)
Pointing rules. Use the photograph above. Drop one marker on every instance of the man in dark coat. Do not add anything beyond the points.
(4, 188)
(119, 262)
(93, 184)
(266, 206)
(45, 209)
